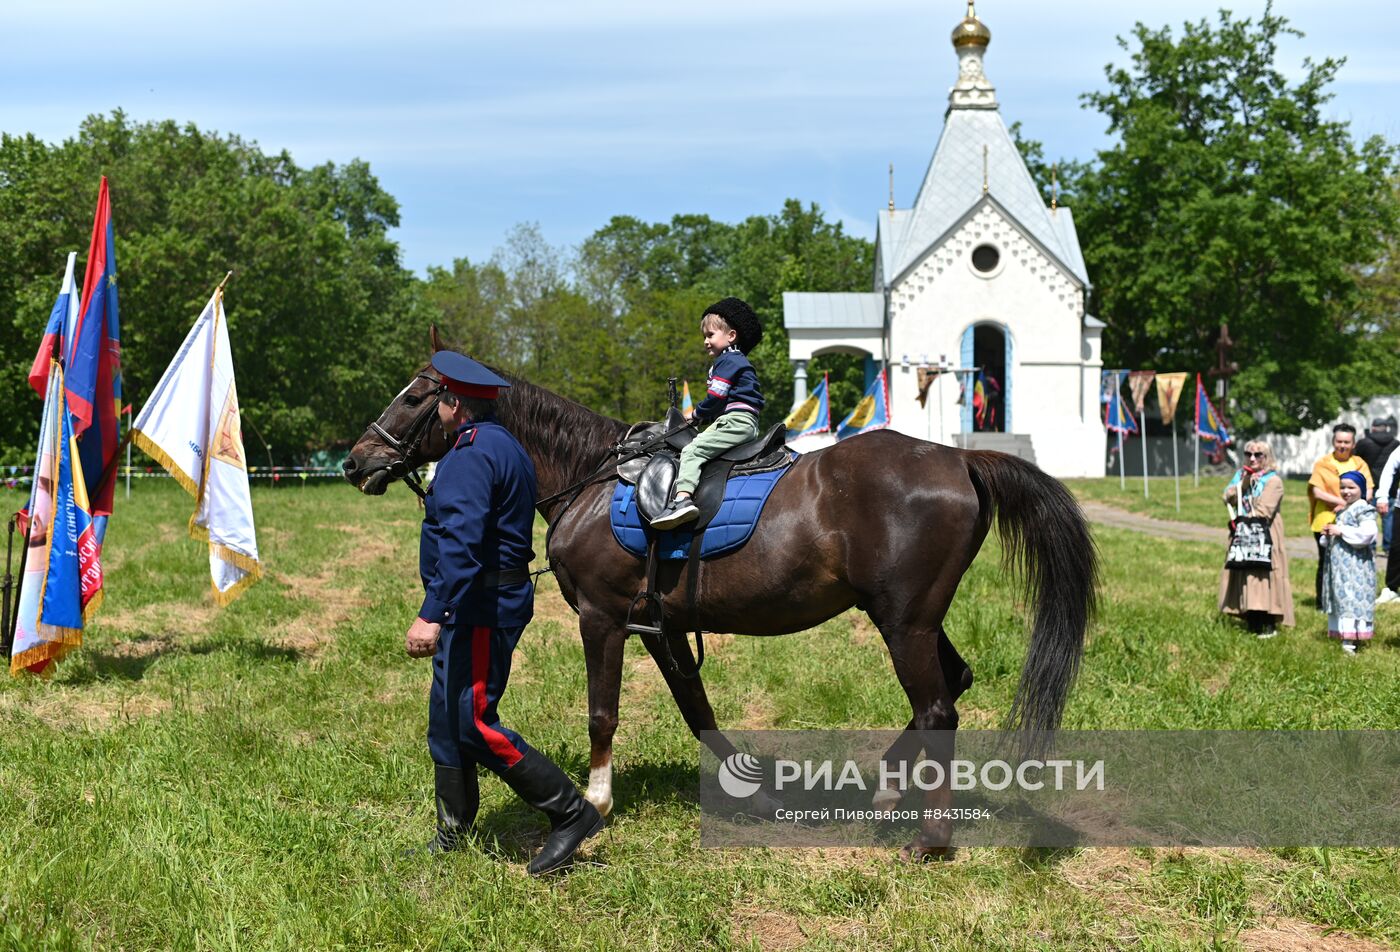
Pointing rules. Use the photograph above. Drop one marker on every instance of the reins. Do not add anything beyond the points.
(413, 439)
(577, 488)
(641, 450)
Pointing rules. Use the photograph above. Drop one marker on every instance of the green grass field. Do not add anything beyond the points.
(1200, 505)
(250, 778)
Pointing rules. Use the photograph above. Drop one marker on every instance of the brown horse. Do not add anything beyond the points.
(884, 522)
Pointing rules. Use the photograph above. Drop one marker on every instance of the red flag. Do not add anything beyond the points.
(92, 363)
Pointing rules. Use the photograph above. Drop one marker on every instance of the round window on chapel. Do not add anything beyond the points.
(985, 258)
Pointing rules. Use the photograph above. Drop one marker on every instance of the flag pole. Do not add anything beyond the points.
(220, 288)
(6, 636)
(1142, 435)
(1122, 479)
(1176, 465)
(111, 471)
(11, 623)
(128, 452)
(1196, 480)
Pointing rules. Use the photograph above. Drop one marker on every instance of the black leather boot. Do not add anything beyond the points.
(548, 789)
(457, 799)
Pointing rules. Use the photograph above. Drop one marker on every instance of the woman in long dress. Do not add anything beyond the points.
(1262, 596)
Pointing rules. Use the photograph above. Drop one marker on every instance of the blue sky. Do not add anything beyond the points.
(565, 114)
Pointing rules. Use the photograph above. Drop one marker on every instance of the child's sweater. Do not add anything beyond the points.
(732, 386)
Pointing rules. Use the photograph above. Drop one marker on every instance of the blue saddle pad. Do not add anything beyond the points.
(731, 527)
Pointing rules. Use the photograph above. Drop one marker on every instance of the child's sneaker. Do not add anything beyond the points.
(677, 513)
(1387, 595)
(1349, 647)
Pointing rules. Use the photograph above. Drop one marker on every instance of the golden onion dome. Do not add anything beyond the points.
(971, 31)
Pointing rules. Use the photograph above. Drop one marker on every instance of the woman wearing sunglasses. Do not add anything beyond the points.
(1261, 595)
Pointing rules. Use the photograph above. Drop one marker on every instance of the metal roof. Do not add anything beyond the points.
(1063, 219)
(807, 309)
(953, 185)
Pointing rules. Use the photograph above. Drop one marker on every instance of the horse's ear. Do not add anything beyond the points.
(437, 341)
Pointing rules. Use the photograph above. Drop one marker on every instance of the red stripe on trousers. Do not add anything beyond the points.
(499, 744)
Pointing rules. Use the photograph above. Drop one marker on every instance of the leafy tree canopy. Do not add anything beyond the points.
(317, 307)
(1229, 198)
(609, 323)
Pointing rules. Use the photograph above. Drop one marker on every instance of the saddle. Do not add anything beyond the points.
(648, 459)
(650, 463)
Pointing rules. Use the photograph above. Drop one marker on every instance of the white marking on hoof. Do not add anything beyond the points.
(886, 799)
(600, 788)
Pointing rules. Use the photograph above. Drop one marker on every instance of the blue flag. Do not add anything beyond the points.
(62, 581)
(812, 415)
(1117, 418)
(872, 413)
(1210, 425)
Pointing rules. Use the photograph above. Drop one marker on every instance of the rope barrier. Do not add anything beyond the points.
(20, 476)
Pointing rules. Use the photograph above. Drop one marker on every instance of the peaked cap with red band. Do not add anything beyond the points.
(466, 377)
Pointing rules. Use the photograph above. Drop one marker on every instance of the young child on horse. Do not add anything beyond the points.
(733, 401)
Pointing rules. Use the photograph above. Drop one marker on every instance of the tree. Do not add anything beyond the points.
(318, 305)
(622, 315)
(1228, 197)
(1057, 181)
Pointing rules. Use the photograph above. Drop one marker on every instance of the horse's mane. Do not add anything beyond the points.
(555, 428)
(564, 438)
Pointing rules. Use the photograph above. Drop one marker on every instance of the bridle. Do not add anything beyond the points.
(412, 441)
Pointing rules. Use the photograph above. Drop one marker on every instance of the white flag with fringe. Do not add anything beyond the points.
(190, 425)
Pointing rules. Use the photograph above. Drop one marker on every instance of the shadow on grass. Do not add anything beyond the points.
(513, 832)
(658, 783)
(130, 663)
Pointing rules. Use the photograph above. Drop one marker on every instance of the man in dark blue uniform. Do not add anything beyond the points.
(474, 557)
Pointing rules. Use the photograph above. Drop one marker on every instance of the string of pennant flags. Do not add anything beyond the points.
(1118, 417)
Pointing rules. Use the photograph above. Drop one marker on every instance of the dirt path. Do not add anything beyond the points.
(1103, 515)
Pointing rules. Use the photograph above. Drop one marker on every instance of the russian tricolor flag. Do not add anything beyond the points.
(63, 316)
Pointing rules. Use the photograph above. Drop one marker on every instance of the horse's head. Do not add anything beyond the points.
(407, 435)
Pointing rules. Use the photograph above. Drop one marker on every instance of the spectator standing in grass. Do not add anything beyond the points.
(1349, 588)
(1385, 505)
(1263, 597)
(1324, 493)
(1377, 448)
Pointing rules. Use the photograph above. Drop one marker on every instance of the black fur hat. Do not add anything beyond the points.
(741, 317)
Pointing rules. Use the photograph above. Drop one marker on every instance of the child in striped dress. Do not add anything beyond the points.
(1349, 587)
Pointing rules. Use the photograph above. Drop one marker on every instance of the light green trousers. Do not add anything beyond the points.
(727, 432)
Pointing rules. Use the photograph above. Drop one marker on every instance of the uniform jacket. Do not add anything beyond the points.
(732, 387)
(480, 511)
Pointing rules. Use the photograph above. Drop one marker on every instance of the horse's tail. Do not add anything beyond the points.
(1045, 540)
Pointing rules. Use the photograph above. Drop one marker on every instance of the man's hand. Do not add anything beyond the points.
(1382, 507)
(422, 638)
(1340, 508)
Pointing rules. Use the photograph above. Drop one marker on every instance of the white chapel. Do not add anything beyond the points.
(980, 282)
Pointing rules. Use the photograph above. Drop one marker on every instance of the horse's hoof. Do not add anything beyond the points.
(763, 807)
(603, 803)
(917, 853)
(886, 799)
